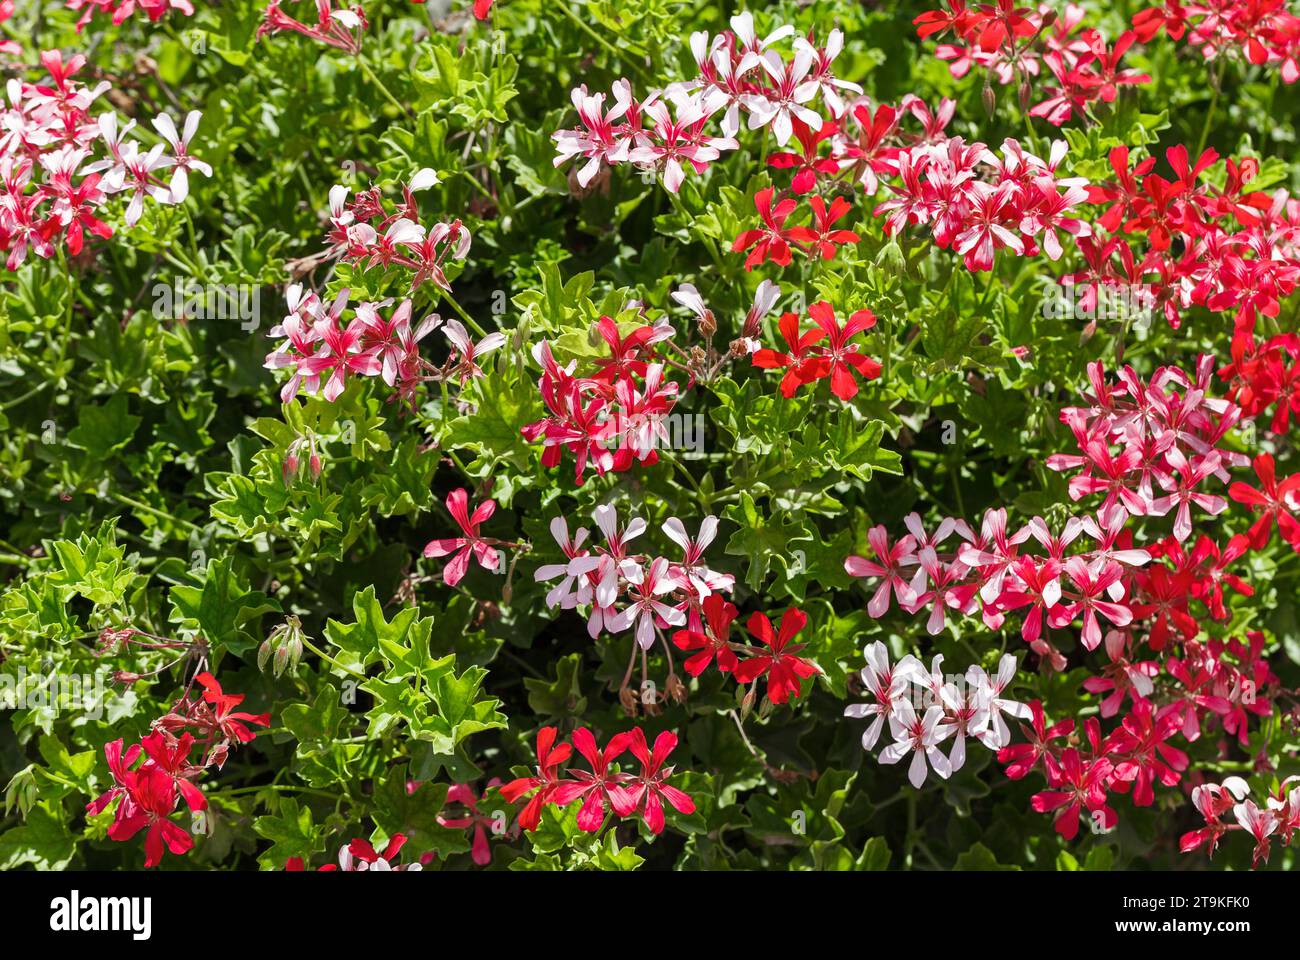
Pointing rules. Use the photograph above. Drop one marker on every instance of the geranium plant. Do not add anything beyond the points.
(601, 436)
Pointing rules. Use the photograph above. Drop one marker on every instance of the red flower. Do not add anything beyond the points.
(808, 163)
(824, 239)
(1123, 192)
(597, 785)
(650, 788)
(1083, 785)
(718, 614)
(171, 756)
(801, 359)
(838, 359)
(549, 759)
(772, 240)
(119, 763)
(1145, 756)
(782, 668)
(1020, 758)
(1278, 501)
(231, 724)
(152, 798)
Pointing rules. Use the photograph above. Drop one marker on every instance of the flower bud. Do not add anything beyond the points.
(990, 99)
(314, 465)
(290, 468)
(747, 704)
(282, 647)
(890, 259)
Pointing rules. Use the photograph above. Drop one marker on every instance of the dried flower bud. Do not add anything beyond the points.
(675, 689)
(111, 641)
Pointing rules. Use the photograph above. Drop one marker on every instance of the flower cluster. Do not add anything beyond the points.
(1278, 817)
(59, 165)
(807, 359)
(365, 232)
(1083, 772)
(977, 202)
(342, 28)
(1011, 43)
(657, 592)
(1167, 429)
(1222, 248)
(926, 707)
(613, 417)
(1258, 33)
(318, 346)
(739, 73)
(1263, 374)
(378, 341)
(605, 786)
(148, 793)
(120, 10)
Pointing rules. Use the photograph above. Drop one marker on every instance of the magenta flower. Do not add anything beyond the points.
(471, 543)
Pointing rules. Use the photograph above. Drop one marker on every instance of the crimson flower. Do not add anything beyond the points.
(598, 785)
(1081, 784)
(772, 240)
(231, 724)
(1278, 501)
(546, 780)
(1020, 758)
(171, 755)
(782, 668)
(807, 163)
(152, 799)
(799, 359)
(647, 792)
(824, 238)
(718, 614)
(1140, 742)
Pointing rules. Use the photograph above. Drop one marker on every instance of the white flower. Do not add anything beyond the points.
(919, 737)
(887, 684)
(998, 734)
